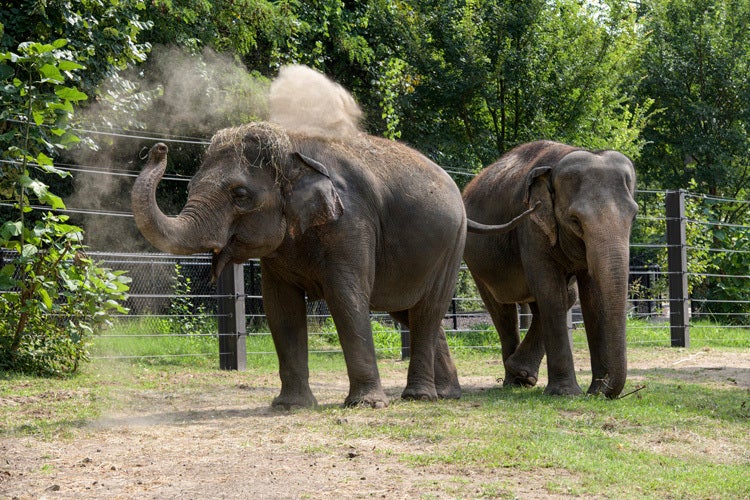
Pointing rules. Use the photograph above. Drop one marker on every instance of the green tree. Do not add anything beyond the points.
(101, 34)
(695, 69)
(52, 295)
(494, 73)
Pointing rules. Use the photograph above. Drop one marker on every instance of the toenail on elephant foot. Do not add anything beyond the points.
(366, 404)
(598, 386)
(376, 399)
(519, 378)
(419, 394)
(563, 389)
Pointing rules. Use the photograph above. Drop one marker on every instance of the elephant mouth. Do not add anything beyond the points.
(220, 259)
(234, 251)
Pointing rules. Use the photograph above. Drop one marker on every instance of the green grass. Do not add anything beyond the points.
(660, 443)
(674, 439)
(149, 342)
(703, 333)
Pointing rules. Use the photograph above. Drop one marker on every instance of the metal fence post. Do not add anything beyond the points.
(231, 307)
(679, 305)
(405, 341)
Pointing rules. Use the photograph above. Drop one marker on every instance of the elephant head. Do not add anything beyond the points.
(586, 213)
(252, 190)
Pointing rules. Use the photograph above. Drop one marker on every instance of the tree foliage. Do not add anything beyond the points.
(52, 295)
(102, 35)
(493, 74)
(695, 69)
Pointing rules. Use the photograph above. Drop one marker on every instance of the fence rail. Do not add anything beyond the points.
(676, 291)
(172, 296)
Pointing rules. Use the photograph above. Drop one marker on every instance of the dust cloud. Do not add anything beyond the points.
(175, 97)
(182, 99)
(302, 99)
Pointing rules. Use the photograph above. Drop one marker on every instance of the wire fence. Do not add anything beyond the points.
(174, 309)
(172, 297)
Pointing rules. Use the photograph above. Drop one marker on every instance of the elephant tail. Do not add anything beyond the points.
(476, 227)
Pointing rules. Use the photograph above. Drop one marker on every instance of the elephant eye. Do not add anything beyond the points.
(240, 192)
(576, 226)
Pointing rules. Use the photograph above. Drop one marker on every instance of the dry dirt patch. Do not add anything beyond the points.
(218, 438)
(198, 445)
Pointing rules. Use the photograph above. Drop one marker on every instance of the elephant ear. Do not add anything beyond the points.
(539, 189)
(310, 197)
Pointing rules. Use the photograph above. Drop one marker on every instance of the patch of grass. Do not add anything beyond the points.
(702, 333)
(676, 438)
(673, 440)
(48, 406)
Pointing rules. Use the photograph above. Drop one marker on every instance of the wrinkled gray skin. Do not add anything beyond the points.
(581, 233)
(365, 224)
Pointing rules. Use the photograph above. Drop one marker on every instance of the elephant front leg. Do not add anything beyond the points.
(287, 318)
(352, 319)
(552, 297)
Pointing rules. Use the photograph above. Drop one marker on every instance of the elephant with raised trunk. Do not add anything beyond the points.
(580, 234)
(363, 222)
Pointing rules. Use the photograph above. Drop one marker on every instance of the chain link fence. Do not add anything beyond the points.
(173, 305)
(173, 297)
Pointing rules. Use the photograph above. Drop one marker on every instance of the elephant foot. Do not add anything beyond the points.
(602, 386)
(375, 398)
(446, 383)
(518, 375)
(522, 379)
(563, 388)
(449, 392)
(420, 393)
(286, 401)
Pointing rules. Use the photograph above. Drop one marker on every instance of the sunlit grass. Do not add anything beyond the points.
(676, 438)
(150, 342)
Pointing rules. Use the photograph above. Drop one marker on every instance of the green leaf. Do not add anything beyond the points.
(52, 200)
(11, 229)
(70, 94)
(45, 298)
(28, 251)
(43, 160)
(65, 65)
(50, 73)
(52, 170)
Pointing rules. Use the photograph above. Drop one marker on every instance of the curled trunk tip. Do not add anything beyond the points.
(158, 152)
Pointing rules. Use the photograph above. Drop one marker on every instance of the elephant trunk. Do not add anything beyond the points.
(174, 235)
(606, 297)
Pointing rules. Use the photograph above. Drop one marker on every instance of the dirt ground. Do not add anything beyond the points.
(226, 442)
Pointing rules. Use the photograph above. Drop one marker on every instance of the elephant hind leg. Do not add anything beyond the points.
(444, 373)
(522, 367)
(505, 318)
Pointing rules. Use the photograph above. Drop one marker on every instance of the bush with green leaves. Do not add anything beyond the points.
(53, 297)
(185, 317)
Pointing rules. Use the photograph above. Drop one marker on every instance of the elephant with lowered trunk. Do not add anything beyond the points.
(362, 222)
(580, 233)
